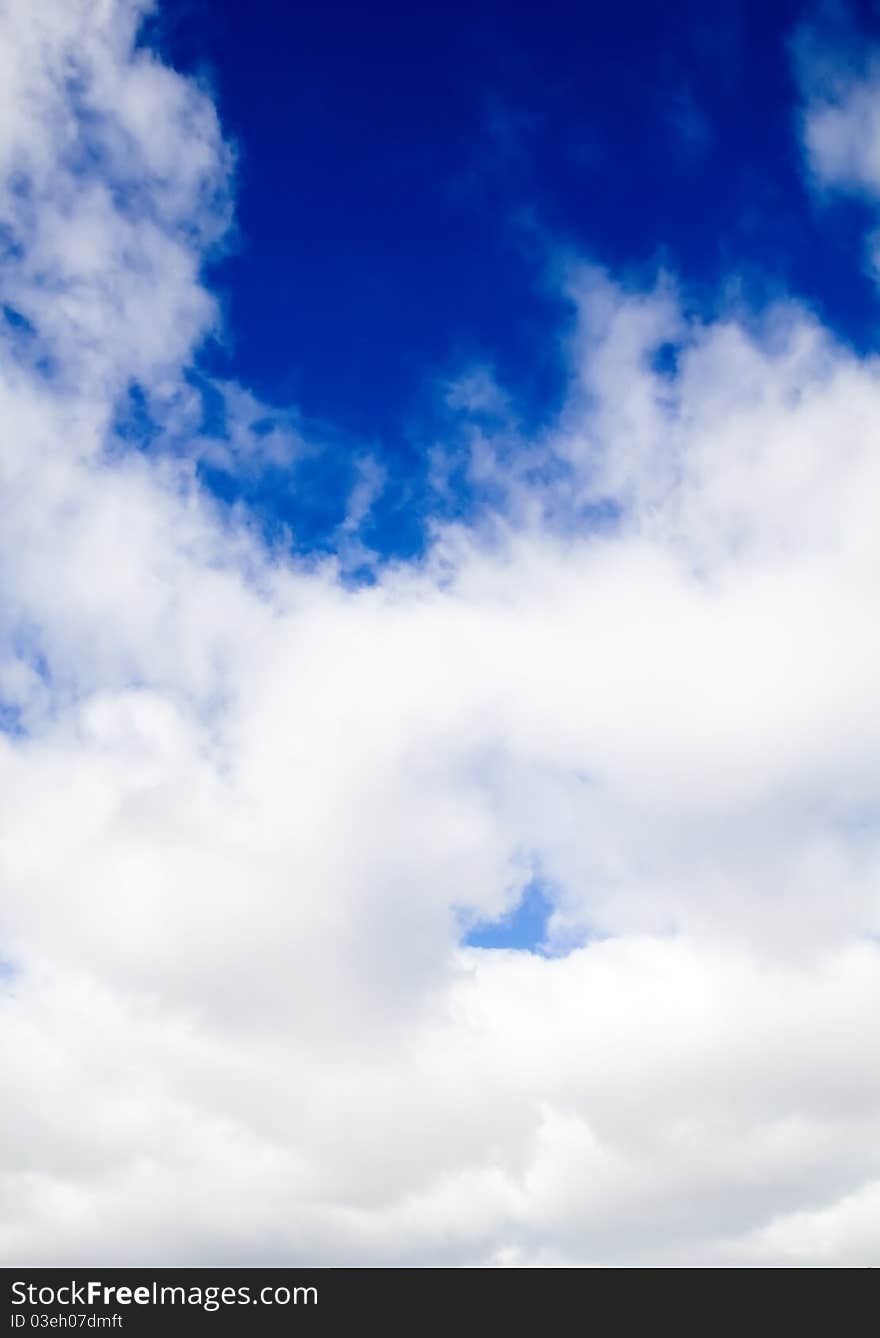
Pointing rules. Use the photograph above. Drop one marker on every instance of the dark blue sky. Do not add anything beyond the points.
(405, 171)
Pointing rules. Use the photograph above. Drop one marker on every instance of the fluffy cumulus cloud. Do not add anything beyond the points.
(250, 808)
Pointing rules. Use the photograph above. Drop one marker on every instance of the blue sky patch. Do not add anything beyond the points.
(410, 181)
(524, 928)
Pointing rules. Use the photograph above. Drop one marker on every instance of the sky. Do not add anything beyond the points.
(438, 647)
(406, 176)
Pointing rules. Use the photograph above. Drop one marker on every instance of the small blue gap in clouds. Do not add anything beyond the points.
(133, 422)
(16, 320)
(665, 359)
(524, 928)
(10, 724)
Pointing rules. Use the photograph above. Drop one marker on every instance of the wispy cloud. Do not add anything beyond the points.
(839, 78)
(689, 123)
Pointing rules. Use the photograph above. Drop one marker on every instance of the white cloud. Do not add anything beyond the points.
(840, 120)
(249, 805)
(839, 76)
